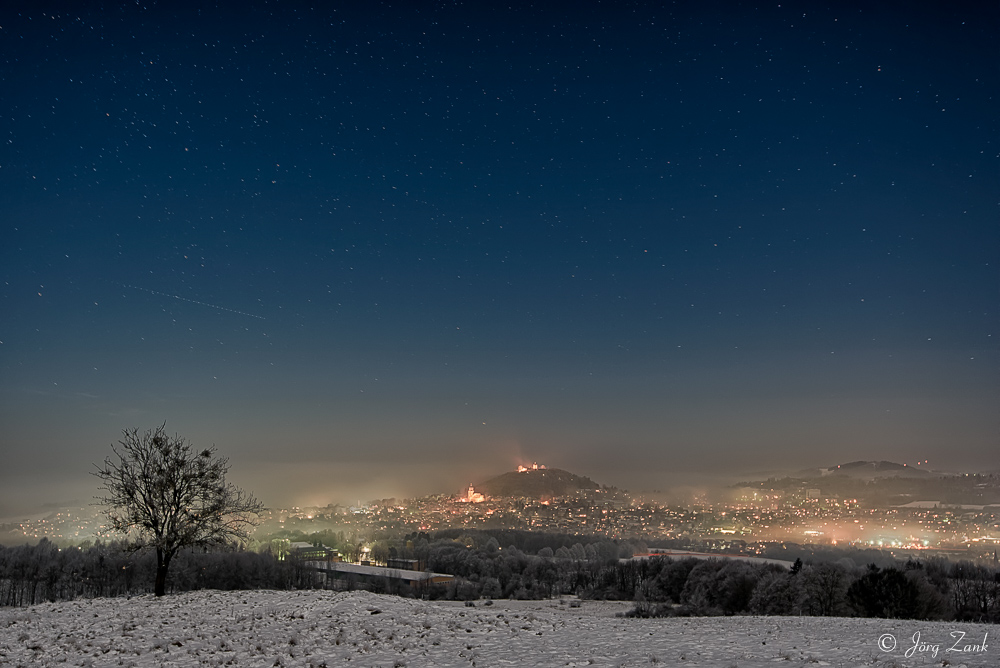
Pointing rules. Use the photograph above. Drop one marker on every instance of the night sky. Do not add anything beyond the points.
(388, 249)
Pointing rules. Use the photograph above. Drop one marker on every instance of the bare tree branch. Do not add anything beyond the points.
(164, 496)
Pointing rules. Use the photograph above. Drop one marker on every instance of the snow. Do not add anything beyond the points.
(317, 628)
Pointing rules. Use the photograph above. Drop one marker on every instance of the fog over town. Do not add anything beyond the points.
(418, 333)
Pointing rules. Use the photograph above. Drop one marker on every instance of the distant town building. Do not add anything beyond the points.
(310, 552)
(534, 467)
(346, 574)
(472, 496)
(406, 564)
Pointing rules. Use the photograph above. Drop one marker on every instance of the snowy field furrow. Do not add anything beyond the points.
(316, 628)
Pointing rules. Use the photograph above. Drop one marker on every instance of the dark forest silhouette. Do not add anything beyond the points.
(933, 589)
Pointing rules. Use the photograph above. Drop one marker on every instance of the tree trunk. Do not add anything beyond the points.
(162, 563)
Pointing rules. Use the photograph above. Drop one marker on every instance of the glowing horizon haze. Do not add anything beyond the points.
(376, 250)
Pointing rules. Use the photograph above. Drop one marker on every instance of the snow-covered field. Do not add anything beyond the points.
(317, 628)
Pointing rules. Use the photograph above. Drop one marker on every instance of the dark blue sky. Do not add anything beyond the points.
(381, 250)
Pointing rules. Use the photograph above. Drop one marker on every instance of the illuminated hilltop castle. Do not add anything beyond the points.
(534, 467)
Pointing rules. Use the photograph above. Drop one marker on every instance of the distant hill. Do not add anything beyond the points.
(885, 484)
(868, 470)
(536, 484)
(882, 469)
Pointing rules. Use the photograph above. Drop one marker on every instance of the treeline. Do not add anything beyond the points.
(383, 546)
(660, 586)
(933, 589)
(489, 571)
(32, 574)
(534, 542)
(824, 581)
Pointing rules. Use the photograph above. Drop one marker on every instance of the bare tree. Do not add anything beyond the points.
(165, 496)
